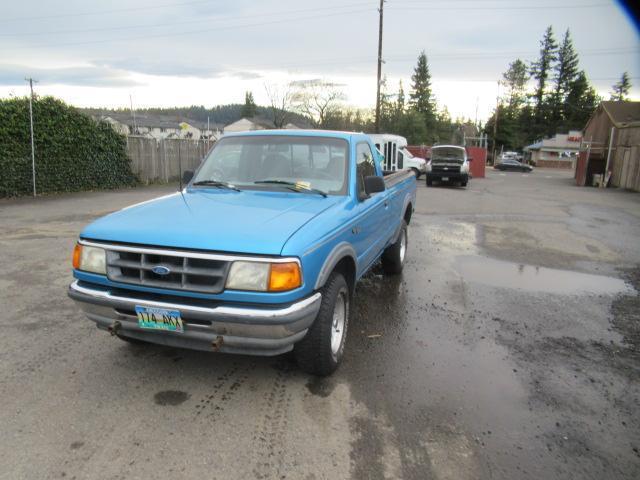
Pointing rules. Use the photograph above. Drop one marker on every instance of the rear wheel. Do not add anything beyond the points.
(321, 350)
(393, 256)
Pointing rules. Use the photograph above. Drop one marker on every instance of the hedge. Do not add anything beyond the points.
(73, 152)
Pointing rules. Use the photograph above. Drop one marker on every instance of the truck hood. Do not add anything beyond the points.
(250, 221)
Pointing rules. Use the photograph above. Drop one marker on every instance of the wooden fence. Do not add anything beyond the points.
(154, 160)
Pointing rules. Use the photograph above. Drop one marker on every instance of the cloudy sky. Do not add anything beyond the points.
(180, 52)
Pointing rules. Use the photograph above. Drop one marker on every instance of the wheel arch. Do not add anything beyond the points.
(343, 259)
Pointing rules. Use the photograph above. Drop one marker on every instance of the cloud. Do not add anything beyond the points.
(89, 75)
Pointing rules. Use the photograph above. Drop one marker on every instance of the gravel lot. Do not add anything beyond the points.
(508, 349)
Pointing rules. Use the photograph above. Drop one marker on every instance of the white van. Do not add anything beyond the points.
(396, 155)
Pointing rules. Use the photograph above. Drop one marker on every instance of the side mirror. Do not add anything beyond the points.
(373, 184)
(187, 175)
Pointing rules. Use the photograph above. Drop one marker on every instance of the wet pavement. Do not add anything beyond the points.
(509, 348)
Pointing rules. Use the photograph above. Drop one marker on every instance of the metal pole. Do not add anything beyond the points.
(606, 168)
(33, 150)
(379, 67)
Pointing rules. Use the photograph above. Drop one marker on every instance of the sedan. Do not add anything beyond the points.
(513, 165)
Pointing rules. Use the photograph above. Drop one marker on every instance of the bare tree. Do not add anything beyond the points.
(317, 99)
(280, 102)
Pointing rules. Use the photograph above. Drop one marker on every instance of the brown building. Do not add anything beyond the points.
(611, 142)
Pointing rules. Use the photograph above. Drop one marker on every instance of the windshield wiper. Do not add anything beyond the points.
(296, 187)
(215, 183)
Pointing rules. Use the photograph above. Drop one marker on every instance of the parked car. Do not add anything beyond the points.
(396, 156)
(259, 257)
(513, 165)
(448, 163)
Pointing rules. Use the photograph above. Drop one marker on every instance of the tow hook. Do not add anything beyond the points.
(217, 343)
(113, 329)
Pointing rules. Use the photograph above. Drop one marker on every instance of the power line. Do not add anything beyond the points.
(191, 32)
(102, 12)
(190, 22)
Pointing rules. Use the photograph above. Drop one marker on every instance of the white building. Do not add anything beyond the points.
(559, 151)
(248, 124)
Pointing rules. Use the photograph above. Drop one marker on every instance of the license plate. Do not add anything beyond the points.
(159, 319)
(445, 179)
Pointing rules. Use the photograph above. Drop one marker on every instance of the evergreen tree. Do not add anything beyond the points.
(400, 100)
(540, 71)
(249, 108)
(566, 70)
(515, 79)
(621, 89)
(580, 103)
(421, 96)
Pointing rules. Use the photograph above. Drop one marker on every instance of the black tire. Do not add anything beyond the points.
(394, 255)
(314, 353)
(416, 171)
(464, 182)
(429, 182)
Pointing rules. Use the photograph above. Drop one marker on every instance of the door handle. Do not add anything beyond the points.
(386, 203)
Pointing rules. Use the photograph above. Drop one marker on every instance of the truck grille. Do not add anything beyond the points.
(445, 168)
(178, 272)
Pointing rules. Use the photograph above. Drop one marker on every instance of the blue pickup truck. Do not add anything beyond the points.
(258, 254)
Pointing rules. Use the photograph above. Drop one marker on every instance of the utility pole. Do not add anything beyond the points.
(33, 149)
(495, 129)
(381, 10)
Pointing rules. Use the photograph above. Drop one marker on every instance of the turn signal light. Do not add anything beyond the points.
(284, 276)
(77, 253)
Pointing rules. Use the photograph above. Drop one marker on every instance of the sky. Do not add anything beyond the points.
(209, 52)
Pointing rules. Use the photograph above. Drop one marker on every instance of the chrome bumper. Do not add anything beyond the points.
(232, 329)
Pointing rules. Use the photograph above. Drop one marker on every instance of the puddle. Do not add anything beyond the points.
(498, 273)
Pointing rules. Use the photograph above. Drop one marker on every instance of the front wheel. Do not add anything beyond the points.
(393, 256)
(416, 172)
(321, 350)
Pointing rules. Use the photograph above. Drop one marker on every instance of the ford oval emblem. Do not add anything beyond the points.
(161, 270)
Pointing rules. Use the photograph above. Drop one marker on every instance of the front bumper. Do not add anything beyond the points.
(252, 330)
(452, 176)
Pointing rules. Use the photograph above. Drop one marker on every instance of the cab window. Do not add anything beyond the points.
(365, 167)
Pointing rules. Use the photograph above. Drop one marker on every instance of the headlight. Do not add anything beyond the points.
(90, 259)
(428, 167)
(264, 277)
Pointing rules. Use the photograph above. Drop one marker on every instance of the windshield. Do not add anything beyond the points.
(447, 153)
(260, 162)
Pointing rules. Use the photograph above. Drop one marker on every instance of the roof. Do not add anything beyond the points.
(150, 120)
(623, 114)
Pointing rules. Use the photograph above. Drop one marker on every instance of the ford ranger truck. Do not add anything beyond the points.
(258, 254)
(448, 163)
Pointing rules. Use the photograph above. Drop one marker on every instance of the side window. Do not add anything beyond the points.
(364, 167)
(400, 160)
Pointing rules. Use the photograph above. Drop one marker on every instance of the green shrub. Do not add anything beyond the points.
(73, 152)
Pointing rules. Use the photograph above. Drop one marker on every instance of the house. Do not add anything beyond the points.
(612, 144)
(159, 126)
(559, 151)
(249, 124)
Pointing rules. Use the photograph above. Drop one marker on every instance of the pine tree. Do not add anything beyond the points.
(515, 79)
(400, 101)
(540, 71)
(421, 96)
(566, 70)
(580, 103)
(249, 108)
(621, 89)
